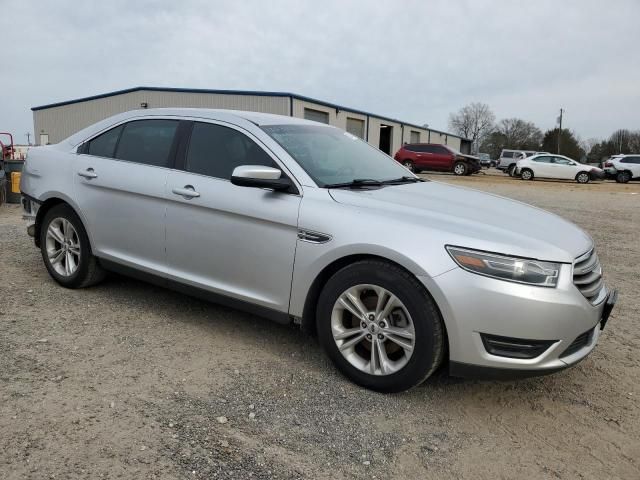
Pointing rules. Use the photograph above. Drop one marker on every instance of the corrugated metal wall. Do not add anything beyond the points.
(61, 121)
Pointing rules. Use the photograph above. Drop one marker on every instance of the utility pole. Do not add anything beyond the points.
(28, 138)
(559, 130)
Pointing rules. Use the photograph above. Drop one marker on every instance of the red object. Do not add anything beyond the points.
(432, 156)
(7, 150)
(608, 164)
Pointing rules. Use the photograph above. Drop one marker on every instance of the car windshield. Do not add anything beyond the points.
(332, 156)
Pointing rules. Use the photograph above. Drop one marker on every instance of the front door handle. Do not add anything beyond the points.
(187, 192)
(88, 173)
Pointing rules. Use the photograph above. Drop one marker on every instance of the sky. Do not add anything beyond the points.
(416, 61)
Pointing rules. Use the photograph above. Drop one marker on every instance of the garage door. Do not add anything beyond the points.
(355, 126)
(316, 115)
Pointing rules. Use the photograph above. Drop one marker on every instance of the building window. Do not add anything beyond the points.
(355, 126)
(414, 137)
(316, 115)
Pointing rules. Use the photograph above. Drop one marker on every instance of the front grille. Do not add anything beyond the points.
(514, 347)
(583, 340)
(587, 275)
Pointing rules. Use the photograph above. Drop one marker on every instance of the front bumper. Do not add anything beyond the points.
(472, 305)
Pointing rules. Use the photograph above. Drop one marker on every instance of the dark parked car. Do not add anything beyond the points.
(485, 160)
(429, 156)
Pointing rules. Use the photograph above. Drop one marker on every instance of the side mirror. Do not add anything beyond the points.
(258, 176)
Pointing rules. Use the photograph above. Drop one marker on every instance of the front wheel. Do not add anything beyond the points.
(460, 168)
(65, 249)
(379, 326)
(582, 177)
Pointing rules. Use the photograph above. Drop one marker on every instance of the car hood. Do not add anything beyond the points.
(473, 219)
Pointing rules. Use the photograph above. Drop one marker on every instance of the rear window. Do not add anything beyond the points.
(507, 154)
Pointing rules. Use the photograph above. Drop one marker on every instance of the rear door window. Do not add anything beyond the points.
(441, 150)
(542, 159)
(216, 151)
(147, 141)
(507, 154)
(104, 145)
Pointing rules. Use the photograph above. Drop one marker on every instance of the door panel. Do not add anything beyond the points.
(231, 240)
(542, 167)
(123, 204)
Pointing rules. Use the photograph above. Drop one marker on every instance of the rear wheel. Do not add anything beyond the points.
(408, 164)
(460, 168)
(66, 251)
(526, 174)
(379, 326)
(582, 177)
(623, 177)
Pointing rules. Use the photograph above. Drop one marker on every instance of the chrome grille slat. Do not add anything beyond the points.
(587, 275)
(586, 278)
(592, 289)
(586, 265)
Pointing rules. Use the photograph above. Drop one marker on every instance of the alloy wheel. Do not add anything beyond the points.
(408, 165)
(373, 329)
(458, 169)
(583, 178)
(526, 175)
(63, 246)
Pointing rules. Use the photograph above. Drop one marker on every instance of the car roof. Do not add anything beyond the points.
(257, 118)
(231, 116)
(425, 144)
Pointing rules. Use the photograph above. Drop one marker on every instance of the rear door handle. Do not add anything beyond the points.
(88, 173)
(187, 192)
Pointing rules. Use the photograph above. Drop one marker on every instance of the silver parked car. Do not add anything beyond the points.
(302, 222)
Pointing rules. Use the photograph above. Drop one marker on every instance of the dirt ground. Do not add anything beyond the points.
(127, 380)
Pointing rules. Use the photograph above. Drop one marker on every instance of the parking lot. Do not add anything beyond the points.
(127, 380)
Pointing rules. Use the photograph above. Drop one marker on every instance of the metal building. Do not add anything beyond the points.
(56, 121)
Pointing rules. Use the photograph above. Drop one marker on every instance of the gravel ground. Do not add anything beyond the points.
(126, 380)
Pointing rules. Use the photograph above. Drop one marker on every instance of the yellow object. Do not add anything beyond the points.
(15, 182)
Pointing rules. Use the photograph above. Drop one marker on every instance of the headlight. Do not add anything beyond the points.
(521, 270)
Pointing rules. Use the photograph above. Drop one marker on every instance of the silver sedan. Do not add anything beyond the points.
(302, 222)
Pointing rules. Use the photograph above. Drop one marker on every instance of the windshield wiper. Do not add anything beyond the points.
(405, 179)
(356, 183)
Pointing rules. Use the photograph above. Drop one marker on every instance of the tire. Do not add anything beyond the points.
(623, 177)
(526, 174)
(408, 164)
(413, 308)
(72, 270)
(511, 170)
(460, 169)
(583, 177)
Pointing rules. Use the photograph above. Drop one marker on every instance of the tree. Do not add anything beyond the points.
(512, 133)
(520, 134)
(589, 144)
(474, 121)
(634, 142)
(569, 145)
(621, 140)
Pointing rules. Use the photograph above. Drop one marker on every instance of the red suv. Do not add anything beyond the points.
(430, 156)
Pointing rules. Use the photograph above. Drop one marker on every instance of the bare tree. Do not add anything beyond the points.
(474, 121)
(634, 142)
(620, 140)
(519, 134)
(588, 144)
